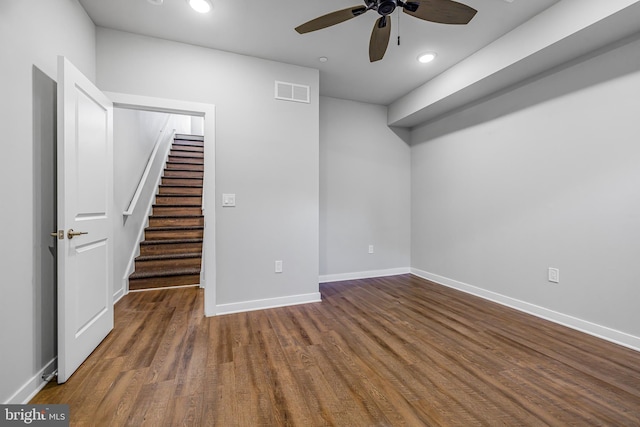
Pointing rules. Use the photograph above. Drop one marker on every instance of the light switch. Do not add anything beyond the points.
(228, 200)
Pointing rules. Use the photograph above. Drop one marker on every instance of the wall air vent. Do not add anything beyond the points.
(292, 92)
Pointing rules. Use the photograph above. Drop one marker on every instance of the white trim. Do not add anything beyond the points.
(197, 285)
(33, 386)
(364, 274)
(587, 327)
(239, 307)
(208, 111)
(117, 296)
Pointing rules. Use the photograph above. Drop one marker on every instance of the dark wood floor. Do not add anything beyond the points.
(378, 352)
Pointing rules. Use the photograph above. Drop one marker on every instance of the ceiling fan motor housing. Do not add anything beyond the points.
(386, 7)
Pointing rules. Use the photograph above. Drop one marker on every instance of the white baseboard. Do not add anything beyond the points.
(612, 335)
(165, 288)
(363, 274)
(117, 296)
(33, 386)
(239, 307)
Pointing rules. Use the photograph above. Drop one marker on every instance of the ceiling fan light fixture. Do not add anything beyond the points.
(425, 58)
(200, 6)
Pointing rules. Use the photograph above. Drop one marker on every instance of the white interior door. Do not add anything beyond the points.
(85, 205)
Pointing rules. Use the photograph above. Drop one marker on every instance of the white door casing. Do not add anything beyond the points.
(85, 204)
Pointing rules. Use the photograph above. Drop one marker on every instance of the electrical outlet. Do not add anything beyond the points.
(554, 275)
(278, 266)
(370, 249)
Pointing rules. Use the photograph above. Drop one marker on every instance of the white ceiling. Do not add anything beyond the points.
(265, 29)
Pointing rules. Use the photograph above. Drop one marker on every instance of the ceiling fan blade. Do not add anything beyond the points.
(440, 11)
(379, 39)
(330, 19)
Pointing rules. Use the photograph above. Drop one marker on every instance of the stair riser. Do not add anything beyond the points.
(170, 248)
(167, 180)
(168, 199)
(186, 153)
(184, 159)
(174, 222)
(167, 264)
(184, 166)
(172, 234)
(163, 282)
(180, 190)
(176, 210)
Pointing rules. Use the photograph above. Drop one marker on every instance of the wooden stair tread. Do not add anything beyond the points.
(176, 216)
(185, 163)
(184, 148)
(169, 256)
(173, 227)
(188, 137)
(179, 150)
(170, 241)
(183, 170)
(165, 273)
(186, 154)
(175, 206)
(186, 178)
(184, 142)
(186, 160)
(182, 173)
(182, 155)
(193, 149)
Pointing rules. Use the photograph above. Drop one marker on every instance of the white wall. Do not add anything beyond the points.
(135, 134)
(266, 153)
(546, 175)
(197, 125)
(364, 192)
(32, 34)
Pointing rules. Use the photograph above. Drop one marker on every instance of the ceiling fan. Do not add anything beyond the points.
(440, 11)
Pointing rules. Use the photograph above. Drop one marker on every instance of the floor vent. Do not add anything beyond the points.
(292, 92)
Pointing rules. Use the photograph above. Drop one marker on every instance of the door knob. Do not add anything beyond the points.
(71, 233)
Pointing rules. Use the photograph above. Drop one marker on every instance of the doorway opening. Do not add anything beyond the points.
(207, 114)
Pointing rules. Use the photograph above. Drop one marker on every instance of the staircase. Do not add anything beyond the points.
(171, 252)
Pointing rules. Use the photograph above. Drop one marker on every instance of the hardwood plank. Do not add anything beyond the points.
(386, 351)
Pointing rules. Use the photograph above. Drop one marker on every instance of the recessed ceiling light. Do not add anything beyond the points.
(323, 59)
(156, 2)
(202, 6)
(427, 57)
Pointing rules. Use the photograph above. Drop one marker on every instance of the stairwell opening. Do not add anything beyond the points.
(169, 194)
(171, 253)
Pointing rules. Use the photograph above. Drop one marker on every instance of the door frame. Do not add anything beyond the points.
(173, 106)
